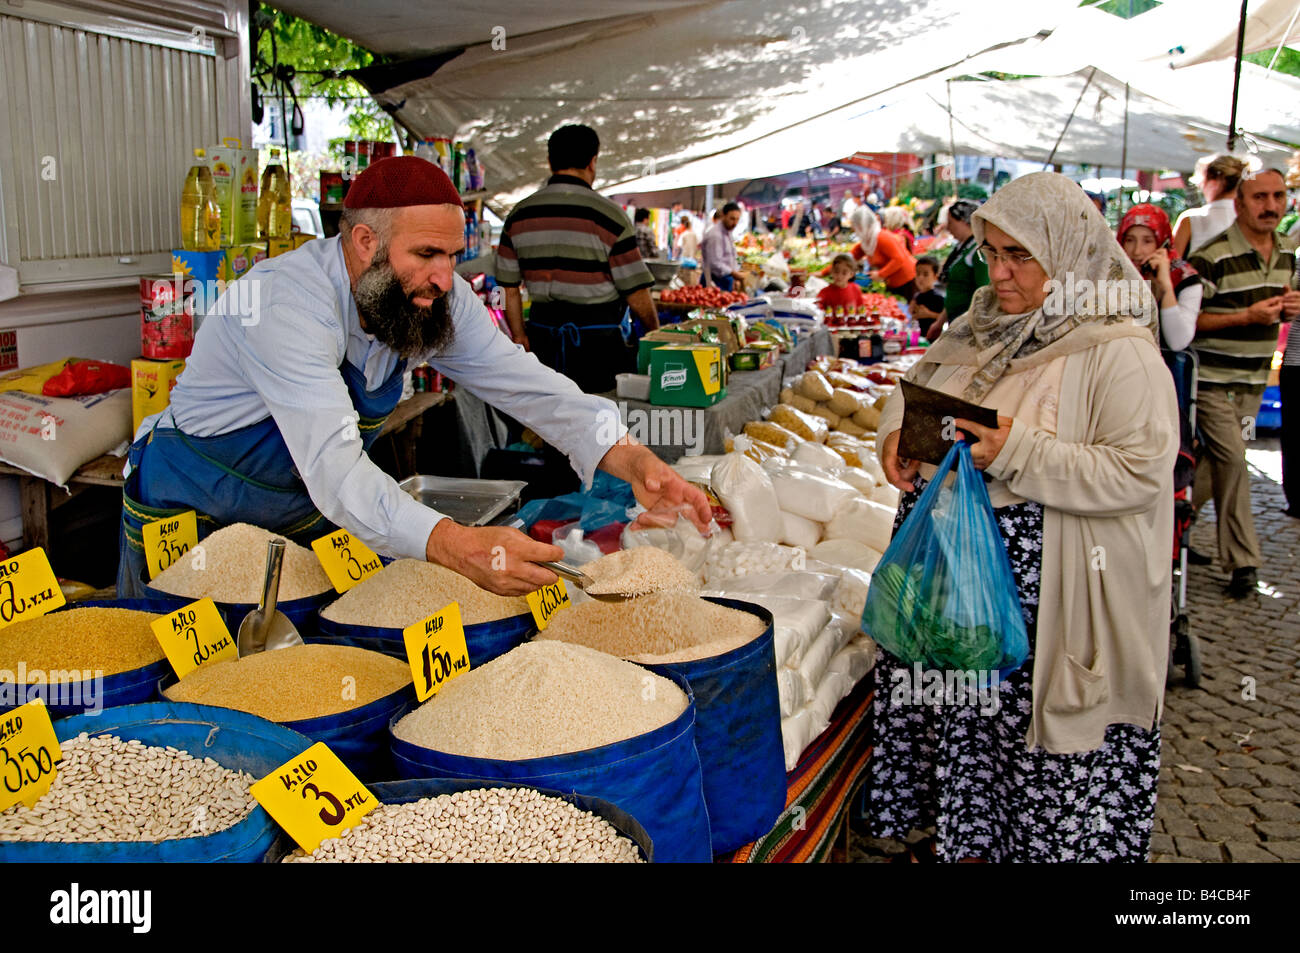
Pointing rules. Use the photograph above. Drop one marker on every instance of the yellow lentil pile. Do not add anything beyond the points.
(658, 628)
(408, 590)
(305, 681)
(93, 639)
(638, 571)
(233, 566)
(541, 699)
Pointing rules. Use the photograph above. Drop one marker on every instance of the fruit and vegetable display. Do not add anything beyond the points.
(701, 297)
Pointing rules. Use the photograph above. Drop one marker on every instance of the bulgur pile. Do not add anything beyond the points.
(91, 639)
(304, 681)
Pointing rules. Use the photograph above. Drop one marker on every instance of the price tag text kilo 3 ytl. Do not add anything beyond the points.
(345, 559)
(314, 796)
(29, 750)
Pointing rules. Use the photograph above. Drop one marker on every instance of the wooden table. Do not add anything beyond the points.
(39, 497)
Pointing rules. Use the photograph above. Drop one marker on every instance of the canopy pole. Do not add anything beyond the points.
(1068, 119)
(952, 140)
(1236, 77)
(1123, 154)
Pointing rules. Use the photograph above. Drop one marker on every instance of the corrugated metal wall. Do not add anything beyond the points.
(96, 133)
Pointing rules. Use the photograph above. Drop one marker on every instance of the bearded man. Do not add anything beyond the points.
(271, 421)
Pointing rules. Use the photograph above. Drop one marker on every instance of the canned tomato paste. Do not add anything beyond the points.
(166, 328)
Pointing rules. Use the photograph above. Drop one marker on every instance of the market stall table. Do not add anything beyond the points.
(669, 433)
(39, 501)
(820, 789)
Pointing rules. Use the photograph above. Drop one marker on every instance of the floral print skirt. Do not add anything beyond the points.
(962, 766)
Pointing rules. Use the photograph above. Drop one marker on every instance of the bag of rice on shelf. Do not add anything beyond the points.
(52, 437)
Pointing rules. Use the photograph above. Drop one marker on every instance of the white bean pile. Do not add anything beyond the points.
(487, 825)
(108, 789)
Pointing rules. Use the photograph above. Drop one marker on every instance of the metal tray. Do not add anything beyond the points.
(469, 502)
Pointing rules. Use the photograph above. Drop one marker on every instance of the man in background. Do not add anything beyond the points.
(646, 242)
(721, 268)
(1248, 273)
(577, 253)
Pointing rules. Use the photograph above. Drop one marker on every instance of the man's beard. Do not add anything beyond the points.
(390, 314)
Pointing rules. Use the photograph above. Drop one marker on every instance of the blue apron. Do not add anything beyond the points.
(587, 350)
(245, 476)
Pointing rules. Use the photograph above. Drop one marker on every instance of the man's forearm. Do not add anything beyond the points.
(515, 313)
(1217, 322)
(643, 307)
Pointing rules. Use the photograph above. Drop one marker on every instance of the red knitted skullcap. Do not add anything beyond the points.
(401, 181)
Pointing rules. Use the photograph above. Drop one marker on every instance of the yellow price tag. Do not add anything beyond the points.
(436, 650)
(167, 540)
(193, 636)
(345, 559)
(29, 749)
(547, 601)
(314, 796)
(28, 587)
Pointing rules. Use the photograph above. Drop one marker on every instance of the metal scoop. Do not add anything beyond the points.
(582, 581)
(266, 627)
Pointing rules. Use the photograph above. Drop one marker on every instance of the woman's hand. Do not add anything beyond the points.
(656, 485)
(989, 442)
(898, 471)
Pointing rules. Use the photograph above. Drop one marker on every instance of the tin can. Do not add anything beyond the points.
(166, 326)
(437, 382)
(331, 188)
(420, 379)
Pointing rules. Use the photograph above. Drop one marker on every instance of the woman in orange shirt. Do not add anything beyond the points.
(885, 251)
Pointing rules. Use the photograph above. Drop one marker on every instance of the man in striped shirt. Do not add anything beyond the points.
(576, 251)
(1248, 273)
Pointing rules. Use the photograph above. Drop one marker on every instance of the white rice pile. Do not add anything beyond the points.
(655, 629)
(409, 590)
(234, 566)
(639, 571)
(542, 699)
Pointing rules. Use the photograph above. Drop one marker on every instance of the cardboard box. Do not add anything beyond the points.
(234, 172)
(201, 275)
(278, 246)
(753, 358)
(726, 331)
(687, 375)
(653, 339)
(151, 387)
(302, 238)
(239, 258)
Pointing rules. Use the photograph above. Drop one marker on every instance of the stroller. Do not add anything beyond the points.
(1184, 649)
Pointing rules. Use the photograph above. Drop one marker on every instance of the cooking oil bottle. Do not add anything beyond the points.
(275, 204)
(200, 213)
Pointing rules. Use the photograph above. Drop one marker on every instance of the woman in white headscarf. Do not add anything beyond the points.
(1079, 471)
(888, 256)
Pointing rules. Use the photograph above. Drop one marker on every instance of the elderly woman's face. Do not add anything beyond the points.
(1021, 286)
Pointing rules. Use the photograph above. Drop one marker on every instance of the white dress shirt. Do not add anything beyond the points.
(273, 347)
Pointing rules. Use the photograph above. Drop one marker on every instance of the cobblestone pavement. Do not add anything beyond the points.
(1230, 751)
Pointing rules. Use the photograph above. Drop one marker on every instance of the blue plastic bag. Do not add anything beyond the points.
(943, 594)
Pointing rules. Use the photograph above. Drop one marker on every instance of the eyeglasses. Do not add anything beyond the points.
(991, 256)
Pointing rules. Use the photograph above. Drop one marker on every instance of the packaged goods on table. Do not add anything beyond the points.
(297, 683)
(486, 825)
(233, 567)
(107, 789)
(746, 490)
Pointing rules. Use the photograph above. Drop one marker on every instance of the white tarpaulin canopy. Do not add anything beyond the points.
(686, 94)
(668, 84)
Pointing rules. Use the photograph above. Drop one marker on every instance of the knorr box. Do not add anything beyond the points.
(151, 387)
(687, 375)
(234, 173)
(653, 339)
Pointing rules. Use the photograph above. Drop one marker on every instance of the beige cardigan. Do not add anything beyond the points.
(1105, 480)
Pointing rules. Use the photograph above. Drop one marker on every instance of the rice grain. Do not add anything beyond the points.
(638, 571)
(234, 566)
(408, 590)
